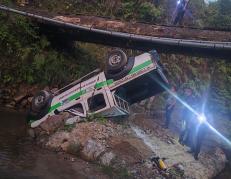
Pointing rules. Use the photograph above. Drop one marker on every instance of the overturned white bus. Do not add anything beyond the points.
(125, 81)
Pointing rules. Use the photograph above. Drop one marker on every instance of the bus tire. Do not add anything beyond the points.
(118, 75)
(40, 101)
(116, 60)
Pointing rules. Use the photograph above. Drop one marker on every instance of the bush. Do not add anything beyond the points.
(148, 12)
(27, 57)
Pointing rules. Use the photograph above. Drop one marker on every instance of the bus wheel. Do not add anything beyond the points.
(118, 75)
(40, 101)
(116, 60)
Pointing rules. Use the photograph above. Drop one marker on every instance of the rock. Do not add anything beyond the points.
(73, 120)
(73, 147)
(57, 140)
(31, 133)
(148, 164)
(54, 122)
(30, 99)
(19, 98)
(47, 88)
(54, 90)
(12, 103)
(180, 167)
(6, 97)
(107, 158)
(24, 103)
(92, 150)
(9, 106)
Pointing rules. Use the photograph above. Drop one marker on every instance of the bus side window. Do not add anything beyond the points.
(96, 102)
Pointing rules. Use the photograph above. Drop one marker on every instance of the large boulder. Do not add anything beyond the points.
(54, 122)
(58, 140)
(92, 150)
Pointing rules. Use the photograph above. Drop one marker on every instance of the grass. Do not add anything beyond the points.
(74, 148)
(69, 127)
(120, 173)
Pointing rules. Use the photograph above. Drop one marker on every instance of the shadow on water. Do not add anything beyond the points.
(20, 158)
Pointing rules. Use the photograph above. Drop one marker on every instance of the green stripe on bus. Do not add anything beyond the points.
(139, 67)
(77, 95)
(73, 97)
(104, 83)
(54, 107)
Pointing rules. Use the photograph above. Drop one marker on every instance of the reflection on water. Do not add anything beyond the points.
(21, 159)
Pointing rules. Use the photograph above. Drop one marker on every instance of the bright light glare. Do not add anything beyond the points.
(178, 2)
(201, 118)
(209, 1)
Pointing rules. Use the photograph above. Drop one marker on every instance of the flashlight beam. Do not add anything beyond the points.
(194, 111)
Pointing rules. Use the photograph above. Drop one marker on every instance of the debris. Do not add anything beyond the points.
(159, 162)
(73, 120)
(148, 164)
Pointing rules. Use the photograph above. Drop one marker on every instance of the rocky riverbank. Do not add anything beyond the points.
(122, 149)
(127, 147)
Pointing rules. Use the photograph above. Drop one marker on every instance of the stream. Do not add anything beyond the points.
(20, 158)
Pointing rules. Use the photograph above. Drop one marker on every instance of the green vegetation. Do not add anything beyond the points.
(218, 14)
(31, 58)
(27, 57)
(120, 173)
(74, 148)
(97, 117)
(69, 127)
(208, 78)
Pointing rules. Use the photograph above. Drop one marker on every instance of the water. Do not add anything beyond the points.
(141, 134)
(20, 158)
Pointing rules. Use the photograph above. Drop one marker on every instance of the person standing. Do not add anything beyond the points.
(170, 104)
(200, 131)
(187, 117)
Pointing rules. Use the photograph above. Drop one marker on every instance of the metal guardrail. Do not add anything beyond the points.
(210, 48)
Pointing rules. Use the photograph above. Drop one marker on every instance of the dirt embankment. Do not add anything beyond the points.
(137, 28)
(147, 29)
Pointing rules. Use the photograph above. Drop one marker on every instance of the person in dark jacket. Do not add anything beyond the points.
(170, 104)
(200, 130)
(180, 11)
(187, 117)
(199, 138)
